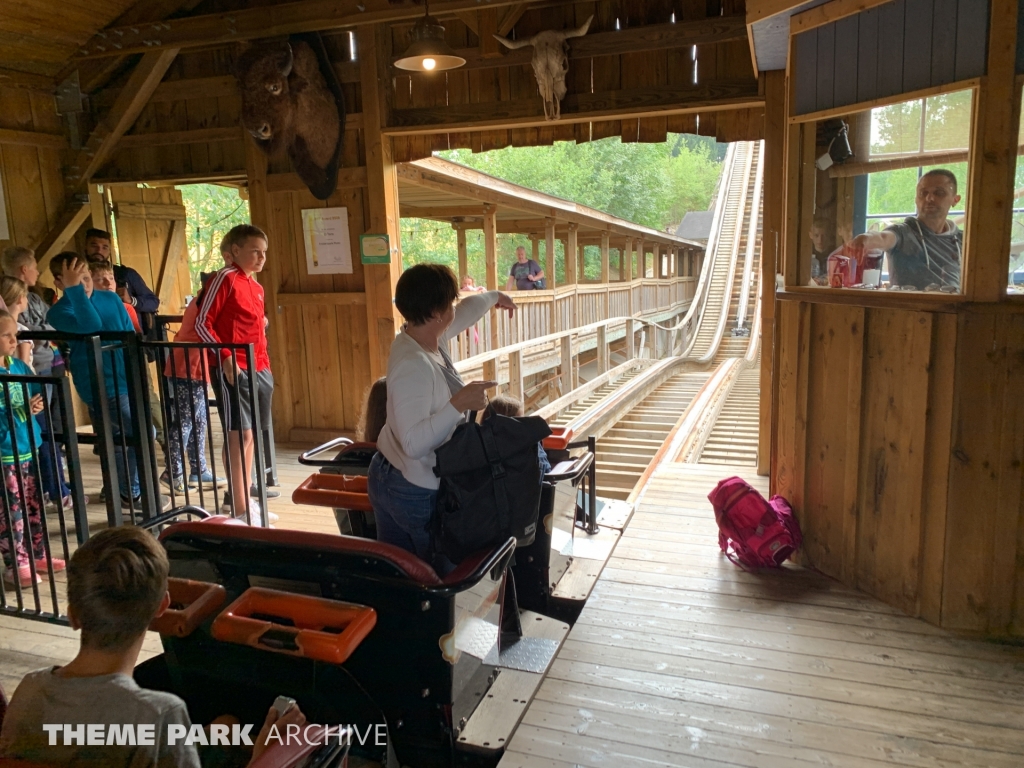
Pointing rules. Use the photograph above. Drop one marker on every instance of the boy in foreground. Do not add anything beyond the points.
(232, 312)
(117, 584)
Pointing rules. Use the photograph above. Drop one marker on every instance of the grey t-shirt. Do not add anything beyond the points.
(522, 272)
(106, 700)
(35, 318)
(921, 257)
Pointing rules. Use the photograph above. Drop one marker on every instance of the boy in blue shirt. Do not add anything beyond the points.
(83, 310)
(16, 457)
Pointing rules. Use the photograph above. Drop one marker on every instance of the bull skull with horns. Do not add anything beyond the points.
(550, 63)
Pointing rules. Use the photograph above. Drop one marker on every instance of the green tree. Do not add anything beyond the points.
(653, 185)
(210, 210)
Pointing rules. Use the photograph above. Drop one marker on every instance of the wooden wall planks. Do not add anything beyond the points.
(32, 179)
(900, 441)
(898, 47)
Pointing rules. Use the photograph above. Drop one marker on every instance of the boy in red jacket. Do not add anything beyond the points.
(232, 312)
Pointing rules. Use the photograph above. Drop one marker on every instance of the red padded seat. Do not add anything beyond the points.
(414, 568)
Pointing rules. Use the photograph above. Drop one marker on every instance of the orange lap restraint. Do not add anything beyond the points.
(324, 630)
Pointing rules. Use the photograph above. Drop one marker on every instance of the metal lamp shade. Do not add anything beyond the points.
(428, 51)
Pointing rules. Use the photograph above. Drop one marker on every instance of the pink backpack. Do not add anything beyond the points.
(751, 531)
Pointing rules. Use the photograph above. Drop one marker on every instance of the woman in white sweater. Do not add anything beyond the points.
(426, 401)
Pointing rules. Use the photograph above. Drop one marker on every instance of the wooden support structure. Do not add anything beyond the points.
(771, 241)
(565, 367)
(571, 257)
(491, 264)
(602, 349)
(104, 139)
(382, 195)
(549, 252)
(460, 245)
(515, 374)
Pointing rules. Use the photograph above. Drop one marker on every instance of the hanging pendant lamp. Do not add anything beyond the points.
(428, 51)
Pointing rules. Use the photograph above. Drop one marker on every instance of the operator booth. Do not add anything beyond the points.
(896, 312)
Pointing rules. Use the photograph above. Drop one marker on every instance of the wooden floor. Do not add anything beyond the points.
(26, 644)
(682, 659)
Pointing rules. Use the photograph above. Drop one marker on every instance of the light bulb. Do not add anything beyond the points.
(429, 64)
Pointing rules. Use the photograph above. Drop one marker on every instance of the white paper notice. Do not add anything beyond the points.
(328, 247)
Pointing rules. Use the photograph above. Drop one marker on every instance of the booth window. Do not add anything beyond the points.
(888, 204)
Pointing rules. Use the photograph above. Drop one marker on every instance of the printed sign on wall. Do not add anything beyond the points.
(328, 248)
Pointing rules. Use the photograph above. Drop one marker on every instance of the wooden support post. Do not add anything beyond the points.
(460, 244)
(606, 271)
(630, 339)
(491, 262)
(623, 277)
(996, 122)
(602, 350)
(491, 246)
(656, 270)
(566, 364)
(549, 252)
(535, 249)
(771, 241)
(605, 257)
(381, 193)
(98, 208)
(571, 248)
(641, 258)
(515, 373)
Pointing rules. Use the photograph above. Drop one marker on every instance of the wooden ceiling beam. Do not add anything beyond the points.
(266, 21)
(513, 198)
(104, 139)
(12, 78)
(33, 139)
(73, 216)
(93, 75)
(511, 16)
(713, 95)
(654, 37)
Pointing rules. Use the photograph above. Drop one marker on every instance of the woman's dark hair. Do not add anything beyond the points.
(375, 412)
(423, 290)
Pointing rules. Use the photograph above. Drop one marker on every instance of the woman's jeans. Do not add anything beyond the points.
(128, 483)
(403, 510)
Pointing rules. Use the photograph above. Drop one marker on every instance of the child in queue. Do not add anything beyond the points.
(20, 263)
(103, 279)
(188, 373)
(232, 312)
(117, 584)
(84, 310)
(15, 295)
(20, 502)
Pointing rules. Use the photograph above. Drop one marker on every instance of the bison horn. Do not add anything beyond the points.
(514, 44)
(581, 31)
(286, 67)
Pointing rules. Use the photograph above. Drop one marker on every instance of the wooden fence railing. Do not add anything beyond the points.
(542, 313)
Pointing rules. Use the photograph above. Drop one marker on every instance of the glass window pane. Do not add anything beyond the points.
(948, 121)
(896, 129)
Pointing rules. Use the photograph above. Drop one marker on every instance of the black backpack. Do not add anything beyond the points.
(490, 485)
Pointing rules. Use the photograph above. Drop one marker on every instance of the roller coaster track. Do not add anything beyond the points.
(714, 382)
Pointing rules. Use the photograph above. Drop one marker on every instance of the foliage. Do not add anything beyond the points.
(653, 185)
(211, 210)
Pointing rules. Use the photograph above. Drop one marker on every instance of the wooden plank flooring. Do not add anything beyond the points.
(26, 644)
(682, 659)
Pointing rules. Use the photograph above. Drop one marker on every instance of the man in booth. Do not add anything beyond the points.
(926, 250)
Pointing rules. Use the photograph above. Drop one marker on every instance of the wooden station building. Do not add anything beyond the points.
(893, 421)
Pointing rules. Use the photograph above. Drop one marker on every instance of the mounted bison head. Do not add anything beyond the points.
(287, 104)
(550, 63)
